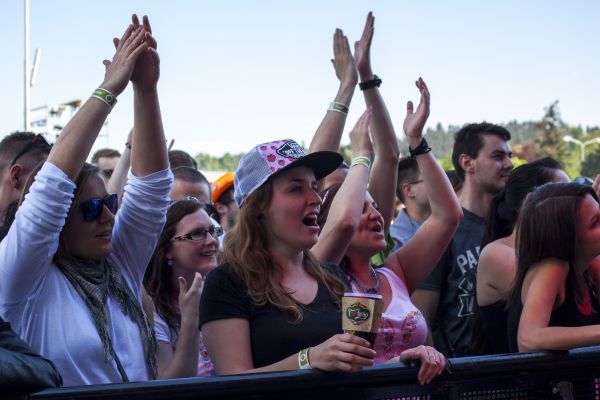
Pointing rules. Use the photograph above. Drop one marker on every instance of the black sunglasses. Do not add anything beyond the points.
(200, 234)
(92, 209)
(38, 141)
(208, 207)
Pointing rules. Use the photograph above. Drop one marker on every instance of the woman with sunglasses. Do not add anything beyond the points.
(72, 272)
(186, 251)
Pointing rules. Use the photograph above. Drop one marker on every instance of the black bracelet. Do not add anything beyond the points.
(370, 84)
(422, 148)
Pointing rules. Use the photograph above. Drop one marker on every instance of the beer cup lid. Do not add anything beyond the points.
(364, 295)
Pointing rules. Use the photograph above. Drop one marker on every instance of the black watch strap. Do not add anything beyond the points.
(422, 148)
(376, 81)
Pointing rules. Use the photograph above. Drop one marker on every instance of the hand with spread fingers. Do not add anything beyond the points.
(343, 352)
(433, 363)
(343, 62)
(415, 120)
(362, 49)
(120, 69)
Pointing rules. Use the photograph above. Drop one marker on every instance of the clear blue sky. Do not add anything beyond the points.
(235, 73)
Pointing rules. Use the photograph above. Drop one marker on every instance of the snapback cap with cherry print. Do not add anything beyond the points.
(267, 159)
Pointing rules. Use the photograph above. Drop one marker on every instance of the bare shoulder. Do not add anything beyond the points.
(550, 266)
(548, 276)
(497, 258)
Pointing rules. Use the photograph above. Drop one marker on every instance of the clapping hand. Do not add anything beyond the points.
(120, 69)
(147, 68)
(362, 49)
(415, 121)
(359, 136)
(343, 62)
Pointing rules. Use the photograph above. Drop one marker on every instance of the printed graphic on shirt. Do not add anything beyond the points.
(467, 262)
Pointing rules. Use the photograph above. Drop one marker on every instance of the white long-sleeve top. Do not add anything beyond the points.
(43, 306)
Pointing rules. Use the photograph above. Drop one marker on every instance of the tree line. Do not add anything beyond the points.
(530, 140)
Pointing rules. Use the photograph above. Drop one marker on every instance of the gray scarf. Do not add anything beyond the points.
(95, 281)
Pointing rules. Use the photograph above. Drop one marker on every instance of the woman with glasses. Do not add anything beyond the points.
(186, 251)
(72, 272)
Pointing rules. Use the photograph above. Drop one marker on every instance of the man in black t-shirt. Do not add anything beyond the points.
(481, 158)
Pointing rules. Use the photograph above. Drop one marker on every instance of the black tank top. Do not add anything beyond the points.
(493, 326)
(567, 314)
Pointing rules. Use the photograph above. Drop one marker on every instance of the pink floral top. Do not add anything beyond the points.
(402, 325)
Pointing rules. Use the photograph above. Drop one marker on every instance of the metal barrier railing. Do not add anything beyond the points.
(573, 374)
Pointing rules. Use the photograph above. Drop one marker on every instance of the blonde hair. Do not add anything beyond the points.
(245, 249)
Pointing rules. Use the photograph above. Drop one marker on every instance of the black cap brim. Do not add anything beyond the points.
(321, 162)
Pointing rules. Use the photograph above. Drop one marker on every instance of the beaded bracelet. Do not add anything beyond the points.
(339, 107)
(303, 362)
(106, 97)
(361, 160)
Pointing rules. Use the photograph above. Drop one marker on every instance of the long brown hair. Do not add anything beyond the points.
(158, 279)
(547, 228)
(245, 249)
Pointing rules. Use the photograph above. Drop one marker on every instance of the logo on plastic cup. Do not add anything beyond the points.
(357, 313)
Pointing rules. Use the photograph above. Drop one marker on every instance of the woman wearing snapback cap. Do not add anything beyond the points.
(271, 300)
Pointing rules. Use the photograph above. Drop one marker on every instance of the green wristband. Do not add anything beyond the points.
(339, 107)
(303, 362)
(361, 160)
(106, 97)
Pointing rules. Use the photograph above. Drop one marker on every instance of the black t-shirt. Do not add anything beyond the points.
(273, 333)
(454, 278)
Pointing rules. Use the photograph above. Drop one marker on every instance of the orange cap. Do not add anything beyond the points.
(221, 185)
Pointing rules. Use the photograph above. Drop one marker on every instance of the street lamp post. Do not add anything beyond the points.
(581, 144)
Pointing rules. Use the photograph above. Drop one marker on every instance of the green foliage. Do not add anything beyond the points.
(549, 134)
(591, 166)
(530, 140)
(517, 162)
(228, 162)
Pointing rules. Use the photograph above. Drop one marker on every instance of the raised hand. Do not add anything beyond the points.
(343, 62)
(359, 136)
(432, 361)
(189, 298)
(120, 69)
(147, 68)
(362, 49)
(415, 121)
(342, 352)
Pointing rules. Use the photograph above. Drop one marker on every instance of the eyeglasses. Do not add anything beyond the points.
(200, 234)
(208, 207)
(37, 140)
(416, 182)
(92, 209)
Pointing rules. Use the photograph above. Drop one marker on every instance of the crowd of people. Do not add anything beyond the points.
(136, 267)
